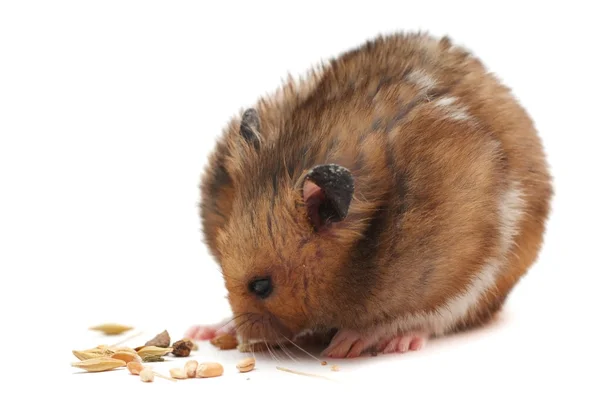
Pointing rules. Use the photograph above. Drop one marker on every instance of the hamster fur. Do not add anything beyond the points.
(396, 193)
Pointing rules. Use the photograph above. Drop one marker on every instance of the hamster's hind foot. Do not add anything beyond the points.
(402, 343)
(348, 344)
(352, 344)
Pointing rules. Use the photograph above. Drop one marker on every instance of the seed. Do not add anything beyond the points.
(87, 355)
(147, 375)
(225, 342)
(209, 370)
(124, 349)
(335, 368)
(323, 362)
(178, 373)
(182, 348)
(135, 367)
(194, 345)
(190, 368)
(162, 340)
(111, 329)
(126, 356)
(99, 364)
(152, 353)
(246, 365)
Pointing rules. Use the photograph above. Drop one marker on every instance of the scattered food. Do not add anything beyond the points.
(335, 368)
(225, 342)
(190, 368)
(126, 356)
(206, 370)
(111, 329)
(162, 340)
(323, 362)
(178, 373)
(246, 365)
(182, 348)
(153, 354)
(99, 364)
(135, 367)
(194, 345)
(147, 375)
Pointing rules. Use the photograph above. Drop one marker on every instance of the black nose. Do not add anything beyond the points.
(261, 287)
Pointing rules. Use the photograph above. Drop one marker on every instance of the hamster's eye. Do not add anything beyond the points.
(261, 287)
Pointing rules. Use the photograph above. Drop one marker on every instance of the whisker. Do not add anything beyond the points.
(302, 349)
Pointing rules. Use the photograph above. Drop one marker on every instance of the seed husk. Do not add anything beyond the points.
(178, 373)
(124, 349)
(206, 370)
(182, 348)
(225, 342)
(162, 340)
(152, 353)
(126, 356)
(111, 328)
(99, 364)
(190, 368)
(245, 365)
(88, 354)
(147, 375)
(135, 367)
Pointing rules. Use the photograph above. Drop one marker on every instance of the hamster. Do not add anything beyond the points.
(396, 193)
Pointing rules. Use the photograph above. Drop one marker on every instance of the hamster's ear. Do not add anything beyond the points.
(327, 192)
(250, 127)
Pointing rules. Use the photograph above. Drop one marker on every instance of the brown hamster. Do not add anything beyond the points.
(397, 193)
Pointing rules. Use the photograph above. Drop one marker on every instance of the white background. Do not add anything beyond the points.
(107, 112)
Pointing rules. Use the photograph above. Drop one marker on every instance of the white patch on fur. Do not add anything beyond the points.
(451, 109)
(444, 318)
(421, 79)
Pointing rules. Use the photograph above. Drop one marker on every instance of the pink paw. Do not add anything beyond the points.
(348, 344)
(403, 343)
(207, 332)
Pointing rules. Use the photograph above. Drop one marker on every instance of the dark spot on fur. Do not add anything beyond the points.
(377, 124)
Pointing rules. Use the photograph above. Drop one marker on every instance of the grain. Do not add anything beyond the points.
(147, 375)
(111, 328)
(126, 356)
(135, 367)
(178, 373)
(206, 370)
(99, 364)
(225, 342)
(335, 368)
(190, 368)
(246, 365)
(152, 353)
